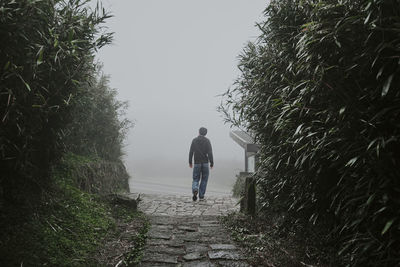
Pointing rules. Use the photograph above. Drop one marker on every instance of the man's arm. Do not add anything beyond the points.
(210, 154)
(191, 154)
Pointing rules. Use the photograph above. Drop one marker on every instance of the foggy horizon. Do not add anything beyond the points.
(171, 60)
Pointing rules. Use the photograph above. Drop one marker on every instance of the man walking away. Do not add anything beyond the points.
(202, 151)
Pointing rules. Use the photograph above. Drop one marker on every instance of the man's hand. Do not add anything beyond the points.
(190, 165)
(211, 167)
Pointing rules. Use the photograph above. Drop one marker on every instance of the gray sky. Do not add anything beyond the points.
(170, 59)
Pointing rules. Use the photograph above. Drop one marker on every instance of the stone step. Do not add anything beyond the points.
(188, 233)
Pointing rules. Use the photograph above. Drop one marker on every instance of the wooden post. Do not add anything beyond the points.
(246, 161)
(248, 202)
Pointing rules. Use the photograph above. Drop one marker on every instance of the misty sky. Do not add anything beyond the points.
(171, 59)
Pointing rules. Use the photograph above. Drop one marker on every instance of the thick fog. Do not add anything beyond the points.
(170, 60)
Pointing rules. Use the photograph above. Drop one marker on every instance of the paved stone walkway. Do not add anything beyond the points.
(186, 233)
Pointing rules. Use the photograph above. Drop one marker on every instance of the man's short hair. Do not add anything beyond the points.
(202, 131)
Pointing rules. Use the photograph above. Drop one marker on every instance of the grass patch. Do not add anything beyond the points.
(125, 214)
(134, 256)
(125, 246)
(64, 231)
(269, 244)
(68, 228)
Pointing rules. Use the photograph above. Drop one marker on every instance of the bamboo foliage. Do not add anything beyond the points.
(46, 59)
(320, 89)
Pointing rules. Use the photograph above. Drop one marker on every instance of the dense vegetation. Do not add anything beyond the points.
(319, 89)
(46, 59)
(61, 134)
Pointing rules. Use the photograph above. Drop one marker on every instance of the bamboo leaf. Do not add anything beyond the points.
(298, 129)
(338, 43)
(372, 143)
(380, 72)
(370, 199)
(40, 56)
(351, 162)
(27, 86)
(25, 83)
(368, 17)
(7, 65)
(386, 86)
(387, 226)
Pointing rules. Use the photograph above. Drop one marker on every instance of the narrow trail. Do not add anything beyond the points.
(188, 233)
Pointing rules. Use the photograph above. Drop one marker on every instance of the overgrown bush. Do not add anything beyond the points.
(46, 59)
(320, 90)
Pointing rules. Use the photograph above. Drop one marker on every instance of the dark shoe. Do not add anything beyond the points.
(201, 199)
(194, 196)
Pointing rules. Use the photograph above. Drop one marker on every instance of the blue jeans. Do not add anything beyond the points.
(200, 174)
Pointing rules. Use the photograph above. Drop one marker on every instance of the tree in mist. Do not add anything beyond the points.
(98, 126)
(320, 91)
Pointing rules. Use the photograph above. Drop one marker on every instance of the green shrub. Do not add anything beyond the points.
(320, 90)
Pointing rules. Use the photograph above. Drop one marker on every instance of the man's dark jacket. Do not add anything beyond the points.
(201, 148)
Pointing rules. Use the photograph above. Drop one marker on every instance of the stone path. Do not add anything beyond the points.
(187, 233)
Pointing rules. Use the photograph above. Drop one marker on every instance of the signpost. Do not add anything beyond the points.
(244, 140)
(248, 201)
